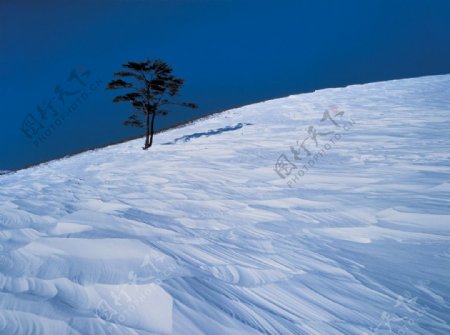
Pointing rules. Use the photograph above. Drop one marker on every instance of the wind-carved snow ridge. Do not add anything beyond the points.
(207, 236)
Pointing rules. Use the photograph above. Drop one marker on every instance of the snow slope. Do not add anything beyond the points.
(203, 235)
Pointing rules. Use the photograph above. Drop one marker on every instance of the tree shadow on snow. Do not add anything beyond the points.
(187, 138)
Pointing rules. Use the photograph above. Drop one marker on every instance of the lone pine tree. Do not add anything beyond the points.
(151, 87)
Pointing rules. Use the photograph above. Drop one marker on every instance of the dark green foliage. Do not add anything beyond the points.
(133, 121)
(150, 85)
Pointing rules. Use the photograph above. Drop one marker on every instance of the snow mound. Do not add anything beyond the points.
(320, 213)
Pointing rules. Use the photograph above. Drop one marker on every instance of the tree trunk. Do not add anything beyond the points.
(152, 128)
(147, 131)
(149, 127)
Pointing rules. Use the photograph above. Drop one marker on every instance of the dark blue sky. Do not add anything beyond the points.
(230, 53)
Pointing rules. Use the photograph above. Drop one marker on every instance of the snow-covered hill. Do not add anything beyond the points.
(323, 213)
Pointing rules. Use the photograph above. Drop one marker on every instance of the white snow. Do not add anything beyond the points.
(200, 234)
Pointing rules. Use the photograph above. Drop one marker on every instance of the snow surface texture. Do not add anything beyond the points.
(203, 235)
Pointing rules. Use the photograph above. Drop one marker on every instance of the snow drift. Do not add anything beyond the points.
(321, 213)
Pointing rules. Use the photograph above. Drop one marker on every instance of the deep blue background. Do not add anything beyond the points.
(230, 53)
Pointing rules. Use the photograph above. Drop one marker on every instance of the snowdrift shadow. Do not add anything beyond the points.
(187, 138)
